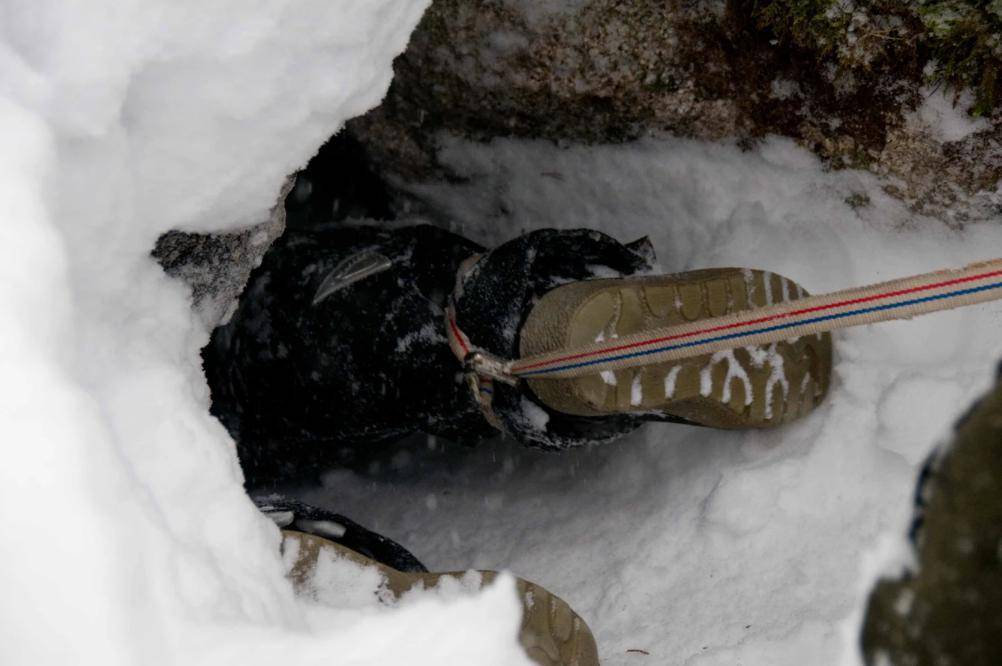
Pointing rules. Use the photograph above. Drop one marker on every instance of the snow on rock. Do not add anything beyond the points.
(127, 535)
(216, 266)
(945, 114)
(707, 547)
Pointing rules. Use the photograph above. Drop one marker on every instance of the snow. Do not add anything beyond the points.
(707, 547)
(907, 411)
(537, 417)
(946, 114)
(127, 535)
(734, 371)
(671, 379)
(636, 390)
(776, 378)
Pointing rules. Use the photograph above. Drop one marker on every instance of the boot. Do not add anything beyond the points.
(293, 515)
(338, 344)
(551, 633)
(550, 290)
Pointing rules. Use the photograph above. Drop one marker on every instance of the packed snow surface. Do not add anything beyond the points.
(127, 537)
(705, 547)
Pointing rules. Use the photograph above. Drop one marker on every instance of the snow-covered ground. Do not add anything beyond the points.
(127, 537)
(695, 546)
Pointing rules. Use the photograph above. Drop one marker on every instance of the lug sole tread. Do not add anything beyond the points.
(746, 387)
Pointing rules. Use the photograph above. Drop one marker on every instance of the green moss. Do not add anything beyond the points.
(858, 200)
(811, 24)
(965, 38)
(851, 34)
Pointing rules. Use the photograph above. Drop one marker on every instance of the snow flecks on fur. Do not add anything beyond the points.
(428, 334)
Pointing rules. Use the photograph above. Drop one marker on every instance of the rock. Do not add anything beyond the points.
(949, 610)
(848, 87)
(587, 71)
(955, 180)
(216, 266)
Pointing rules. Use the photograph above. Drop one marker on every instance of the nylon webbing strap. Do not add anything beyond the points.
(810, 315)
(475, 361)
(897, 299)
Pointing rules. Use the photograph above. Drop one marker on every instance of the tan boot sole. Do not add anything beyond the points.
(551, 633)
(750, 387)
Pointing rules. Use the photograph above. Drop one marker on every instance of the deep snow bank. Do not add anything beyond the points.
(704, 547)
(127, 536)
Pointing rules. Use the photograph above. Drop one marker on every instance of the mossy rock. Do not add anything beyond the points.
(965, 39)
(961, 40)
(844, 79)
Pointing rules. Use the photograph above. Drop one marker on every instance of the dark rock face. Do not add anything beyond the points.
(599, 71)
(949, 611)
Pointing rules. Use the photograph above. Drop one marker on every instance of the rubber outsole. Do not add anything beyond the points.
(749, 387)
(551, 633)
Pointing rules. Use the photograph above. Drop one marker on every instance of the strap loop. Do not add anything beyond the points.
(480, 367)
(487, 365)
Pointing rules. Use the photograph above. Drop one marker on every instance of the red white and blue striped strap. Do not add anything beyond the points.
(897, 299)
